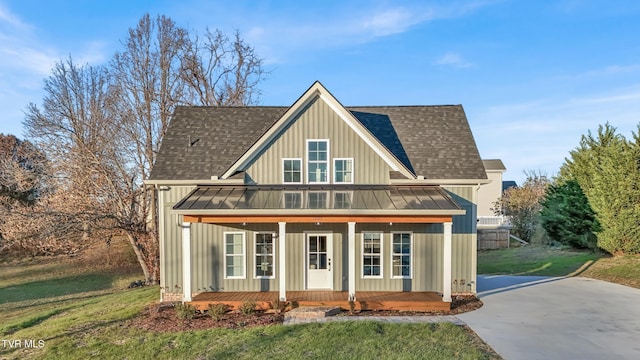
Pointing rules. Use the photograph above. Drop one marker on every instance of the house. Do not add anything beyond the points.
(489, 193)
(317, 198)
(493, 229)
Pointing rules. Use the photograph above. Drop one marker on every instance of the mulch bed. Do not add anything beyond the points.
(163, 317)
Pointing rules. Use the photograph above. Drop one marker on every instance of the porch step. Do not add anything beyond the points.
(311, 312)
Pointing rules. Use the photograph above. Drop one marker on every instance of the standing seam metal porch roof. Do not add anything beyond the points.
(318, 199)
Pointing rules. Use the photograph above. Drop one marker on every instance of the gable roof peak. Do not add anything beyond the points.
(314, 91)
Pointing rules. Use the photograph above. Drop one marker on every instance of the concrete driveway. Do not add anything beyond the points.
(533, 317)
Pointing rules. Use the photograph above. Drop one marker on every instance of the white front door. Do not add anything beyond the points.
(318, 259)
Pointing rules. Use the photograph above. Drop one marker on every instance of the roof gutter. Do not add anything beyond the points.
(195, 182)
(315, 212)
(439, 181)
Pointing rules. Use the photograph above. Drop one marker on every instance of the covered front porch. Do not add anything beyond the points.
(365, 300)
(346, 207)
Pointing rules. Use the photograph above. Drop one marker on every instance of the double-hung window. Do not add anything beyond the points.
(317, 161)
(343, 171)
(371, 255)
(401, 255)
(264, 256)
(292, 171)
(234, 255)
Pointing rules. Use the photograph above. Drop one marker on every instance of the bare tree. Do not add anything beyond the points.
(24, 171)
(147, 88)
(222, 71)
(102, 127)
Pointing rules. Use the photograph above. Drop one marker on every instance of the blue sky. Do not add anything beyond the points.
(533, 76)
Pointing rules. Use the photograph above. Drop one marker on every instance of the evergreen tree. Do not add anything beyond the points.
(606, 167)
(567, 216)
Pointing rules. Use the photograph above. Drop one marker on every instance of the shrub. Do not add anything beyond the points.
(216, 311)
(279, 306)
(185, 311)
(247, 307)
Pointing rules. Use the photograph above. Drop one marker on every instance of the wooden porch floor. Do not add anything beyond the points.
(365, 300)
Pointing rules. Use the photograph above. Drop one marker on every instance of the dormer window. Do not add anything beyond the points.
(317, 161)
(343, 171)
(292, 171)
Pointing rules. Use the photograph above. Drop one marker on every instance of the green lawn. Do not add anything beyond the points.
(623, 270)
(550, 261)
(532, 260)
(81, 312)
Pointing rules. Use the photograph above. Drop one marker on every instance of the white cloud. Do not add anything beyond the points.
(453, 59)
(277, 37)
(607, 71)
(389, 21)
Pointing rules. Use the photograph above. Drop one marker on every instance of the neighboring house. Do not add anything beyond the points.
(489, 193)
(317, 196)
(493, 229)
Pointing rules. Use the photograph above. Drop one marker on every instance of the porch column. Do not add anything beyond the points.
(282, 278)
(351, 235)
(446, 277)
(186, 261)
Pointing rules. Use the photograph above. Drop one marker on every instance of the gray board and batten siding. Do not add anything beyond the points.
(207, 252)
(319, 121)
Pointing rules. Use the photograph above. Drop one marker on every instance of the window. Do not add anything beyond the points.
(317, 200)
(264, 256)
(292, 171)
(343, 171)
(342, 200)
(317, 161)
(234, 253)
(401, 255)
(292, 200)
(372, 255)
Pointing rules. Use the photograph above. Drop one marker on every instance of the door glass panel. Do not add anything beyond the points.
(313, 261)
(317, 253)
(323, 262)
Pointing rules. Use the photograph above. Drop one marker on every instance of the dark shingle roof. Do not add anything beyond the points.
(436, 140)
(433, 141)
(218, 135)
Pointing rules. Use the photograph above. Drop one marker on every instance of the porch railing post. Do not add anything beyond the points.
(282, 234)
(186, 261)
(446, 277)
(352, 260)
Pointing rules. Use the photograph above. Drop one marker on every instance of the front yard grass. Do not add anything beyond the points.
(554, 261)
(81, 312)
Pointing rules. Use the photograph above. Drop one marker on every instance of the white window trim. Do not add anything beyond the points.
(285, 193)
(244, 254)
(255, 255)
(301, 170)
(362, 275)
(411, 262)
(328, 162)
(335, 173)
